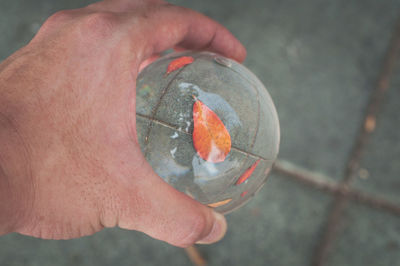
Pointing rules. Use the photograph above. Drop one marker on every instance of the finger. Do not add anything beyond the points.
(162, 212)
(177, 26)
(168, 26)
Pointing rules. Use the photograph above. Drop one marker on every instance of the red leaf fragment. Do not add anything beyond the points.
(211, 139)
(179, 63)
(247, 173)
(244, 193)
(219, 203)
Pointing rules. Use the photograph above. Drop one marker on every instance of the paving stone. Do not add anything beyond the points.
(280, 226)
(368, 237)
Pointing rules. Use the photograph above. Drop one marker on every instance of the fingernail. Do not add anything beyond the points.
(217, 232)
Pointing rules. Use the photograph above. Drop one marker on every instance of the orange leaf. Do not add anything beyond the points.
(219, 203)
(178, 63)
(211, 139)
(247, 173)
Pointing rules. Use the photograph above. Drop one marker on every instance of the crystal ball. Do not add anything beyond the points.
(207, 126)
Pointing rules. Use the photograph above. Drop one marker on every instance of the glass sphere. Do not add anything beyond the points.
(207, 126)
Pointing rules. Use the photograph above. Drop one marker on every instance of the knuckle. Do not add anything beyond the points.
(102, 24)
(149, 11)
(55, 20)
(192, 233)
(59, 17)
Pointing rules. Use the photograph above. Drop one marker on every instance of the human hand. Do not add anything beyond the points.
(70, 162)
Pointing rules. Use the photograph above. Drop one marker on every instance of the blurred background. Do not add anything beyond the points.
(333, 198)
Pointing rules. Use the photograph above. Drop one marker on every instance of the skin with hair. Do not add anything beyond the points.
(70, 162)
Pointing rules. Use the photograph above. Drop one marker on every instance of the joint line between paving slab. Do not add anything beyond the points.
(325, 183)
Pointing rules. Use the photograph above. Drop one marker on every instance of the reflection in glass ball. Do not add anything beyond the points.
(207, 126)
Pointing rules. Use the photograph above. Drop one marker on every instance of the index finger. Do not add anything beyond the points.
(167, 26)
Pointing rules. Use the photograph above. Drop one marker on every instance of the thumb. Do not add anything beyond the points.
(167, 214)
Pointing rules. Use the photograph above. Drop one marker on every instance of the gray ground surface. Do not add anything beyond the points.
(320, 61)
